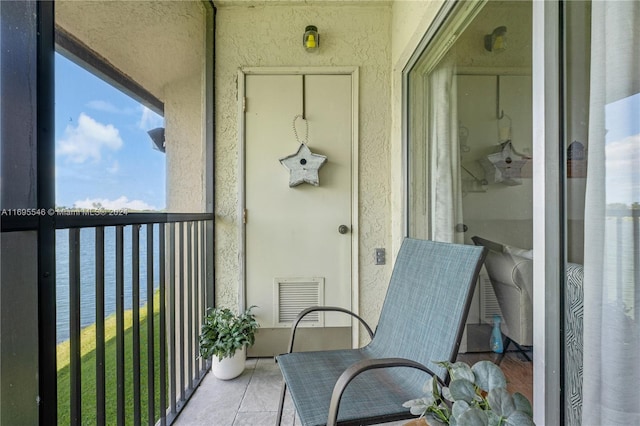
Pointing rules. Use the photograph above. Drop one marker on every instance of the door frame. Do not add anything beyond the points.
(241, 92)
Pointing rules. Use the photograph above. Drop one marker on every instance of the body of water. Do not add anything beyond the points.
(88, 274)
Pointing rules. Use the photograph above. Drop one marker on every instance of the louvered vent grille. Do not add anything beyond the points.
(488, 301)
(293, 296)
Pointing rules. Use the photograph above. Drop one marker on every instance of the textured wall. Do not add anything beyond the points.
(150, 41)
(350, 35)
(184, 124)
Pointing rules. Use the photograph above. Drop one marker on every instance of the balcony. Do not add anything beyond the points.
(128, 311)
(252, 398)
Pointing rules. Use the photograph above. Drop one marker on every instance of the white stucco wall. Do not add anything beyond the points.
(185, 145)
(271, 35)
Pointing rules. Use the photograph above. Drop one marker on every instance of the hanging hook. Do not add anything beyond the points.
(499, 112)
(304, 116)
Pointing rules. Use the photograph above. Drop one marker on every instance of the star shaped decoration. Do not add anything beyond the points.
(503, 166)
(303, 166)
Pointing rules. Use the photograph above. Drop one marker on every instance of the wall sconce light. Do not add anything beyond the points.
(311, 39)
(497, 40)
(157, 136)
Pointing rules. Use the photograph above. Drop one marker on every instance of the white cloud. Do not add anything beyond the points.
(88, 139)
(119, 203)
(149, 119)
(623, 153)
(105, 106)
(622, 173)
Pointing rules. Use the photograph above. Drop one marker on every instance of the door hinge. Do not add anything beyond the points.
(244, 104)
(244, 216)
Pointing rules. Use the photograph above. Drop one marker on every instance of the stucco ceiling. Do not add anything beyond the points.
(153, 42)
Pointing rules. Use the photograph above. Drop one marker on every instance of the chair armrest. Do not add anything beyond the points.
(323, 308)
(361, 366)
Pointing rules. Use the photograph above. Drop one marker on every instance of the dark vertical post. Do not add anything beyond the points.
(135, 296)
(181, 303)
(172, 317)
(151, 374)
(45, 181)
(74, 326)
(190, 272)
(100, 356)
(120, 392)
(203, 279)
(163, 327)
(197, 255)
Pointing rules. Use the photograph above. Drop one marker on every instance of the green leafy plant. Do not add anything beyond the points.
(476, 396)
(224, 332)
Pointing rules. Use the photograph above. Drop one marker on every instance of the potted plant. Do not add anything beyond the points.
(476, 396)
(224, 337)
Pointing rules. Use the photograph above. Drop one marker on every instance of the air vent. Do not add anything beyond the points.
(488, 302)
(292, 295)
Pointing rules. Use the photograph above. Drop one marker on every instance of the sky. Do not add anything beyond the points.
(622, 150)
(103, 152)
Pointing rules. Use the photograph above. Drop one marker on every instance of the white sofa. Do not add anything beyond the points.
(511, 272)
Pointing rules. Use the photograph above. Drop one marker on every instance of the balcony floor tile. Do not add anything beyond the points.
(252, 398)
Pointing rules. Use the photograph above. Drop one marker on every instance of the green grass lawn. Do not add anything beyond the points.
(88, 372)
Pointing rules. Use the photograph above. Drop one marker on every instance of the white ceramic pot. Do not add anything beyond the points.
(229, 368)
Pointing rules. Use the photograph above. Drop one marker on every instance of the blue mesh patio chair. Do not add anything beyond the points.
(421, 323)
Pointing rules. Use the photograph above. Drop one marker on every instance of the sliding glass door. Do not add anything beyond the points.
(470, 151)
(602, 146)
(523, 129)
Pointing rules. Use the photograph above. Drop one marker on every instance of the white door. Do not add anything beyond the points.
(296, 255)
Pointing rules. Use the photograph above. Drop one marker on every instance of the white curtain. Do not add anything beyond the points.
(611, 289)
(445, 155)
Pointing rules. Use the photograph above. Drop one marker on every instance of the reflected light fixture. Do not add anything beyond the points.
(157, 136)
(497, 40)
(311, 39)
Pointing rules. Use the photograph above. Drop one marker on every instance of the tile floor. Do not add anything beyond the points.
(252, 398)
(249, 400)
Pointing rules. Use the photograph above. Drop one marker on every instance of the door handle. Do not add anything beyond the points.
(343, 229)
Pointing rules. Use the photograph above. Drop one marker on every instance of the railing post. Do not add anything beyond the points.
(120, 397)
(190, 271)
(74, 327)
(172, 319)
(163, 326)
(100, 338)
(150, 329)
(135, 303)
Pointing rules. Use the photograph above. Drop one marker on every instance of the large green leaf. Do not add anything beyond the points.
(518, 418)
(462, 389)
(459, 407)
(461, 370)
(432, 388)
(488, 376)
(473, 417)
(417, 406)
(501, 402)
(522, 404)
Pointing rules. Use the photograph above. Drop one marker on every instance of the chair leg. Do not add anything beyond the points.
(283, 393)
(523, 352)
